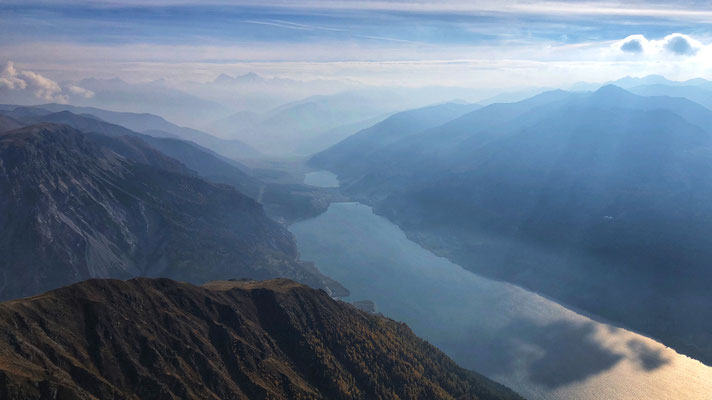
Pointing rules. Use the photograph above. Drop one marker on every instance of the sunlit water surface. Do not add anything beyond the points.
(533, 345)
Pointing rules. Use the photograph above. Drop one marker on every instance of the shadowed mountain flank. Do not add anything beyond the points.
(600, 200)
(286, 202)
(72, 208)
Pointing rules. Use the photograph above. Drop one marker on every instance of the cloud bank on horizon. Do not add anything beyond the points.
(28, 84)
(380, 42)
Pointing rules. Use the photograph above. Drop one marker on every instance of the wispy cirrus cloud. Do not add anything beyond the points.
(414, 42)
(305, 27)
(293, 25)
(680, 9)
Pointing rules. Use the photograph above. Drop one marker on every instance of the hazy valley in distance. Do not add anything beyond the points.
(398, 199)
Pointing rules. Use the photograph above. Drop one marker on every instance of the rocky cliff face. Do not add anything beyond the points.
(281, 201)
(72, 209)
(160, 339)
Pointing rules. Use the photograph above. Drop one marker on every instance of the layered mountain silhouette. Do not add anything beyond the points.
(363, 145)
(157, 126)
(317, 122)
(155, 97)
(599, 199)
(700, 94)
(285, 202)
(200, 159)
(78, 205)
(160, 339)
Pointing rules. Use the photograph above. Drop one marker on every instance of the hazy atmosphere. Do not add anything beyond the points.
(477, 44)
(347, 199)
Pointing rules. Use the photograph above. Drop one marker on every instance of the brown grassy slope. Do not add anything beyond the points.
(160, 339)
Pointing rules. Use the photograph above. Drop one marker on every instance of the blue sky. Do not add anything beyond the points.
(168, 22)
(415, 43)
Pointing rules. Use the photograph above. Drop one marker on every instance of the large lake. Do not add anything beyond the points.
(533, 345)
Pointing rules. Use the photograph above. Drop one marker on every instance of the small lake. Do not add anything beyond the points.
(533, 345)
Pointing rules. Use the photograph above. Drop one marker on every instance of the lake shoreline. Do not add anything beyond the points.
(317, 243)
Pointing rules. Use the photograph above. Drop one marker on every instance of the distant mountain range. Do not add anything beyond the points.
(275, 115)
(82, 205)
(84, 198)
(698, 90)
(160, 339)
(156, 126)
(356, 151)
(698, 94)
(630, 82)
(309, 125)
(288, 202)
(252, 92)
(152, 97)
(598, 199)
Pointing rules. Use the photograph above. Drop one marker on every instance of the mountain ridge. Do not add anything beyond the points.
(283, 202)
(595, 199)
(73, 209)
(155, 125)
(157, 338)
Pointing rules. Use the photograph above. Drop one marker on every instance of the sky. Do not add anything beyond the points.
(491, 43)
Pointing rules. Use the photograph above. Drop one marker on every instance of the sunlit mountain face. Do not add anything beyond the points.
(355, 199)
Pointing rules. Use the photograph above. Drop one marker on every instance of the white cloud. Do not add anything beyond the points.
(634, 44)
(9, 78)
(38, 85)
(377, 62)
(80, 91)
(681, 45)
(676, 45)
(43, 88)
